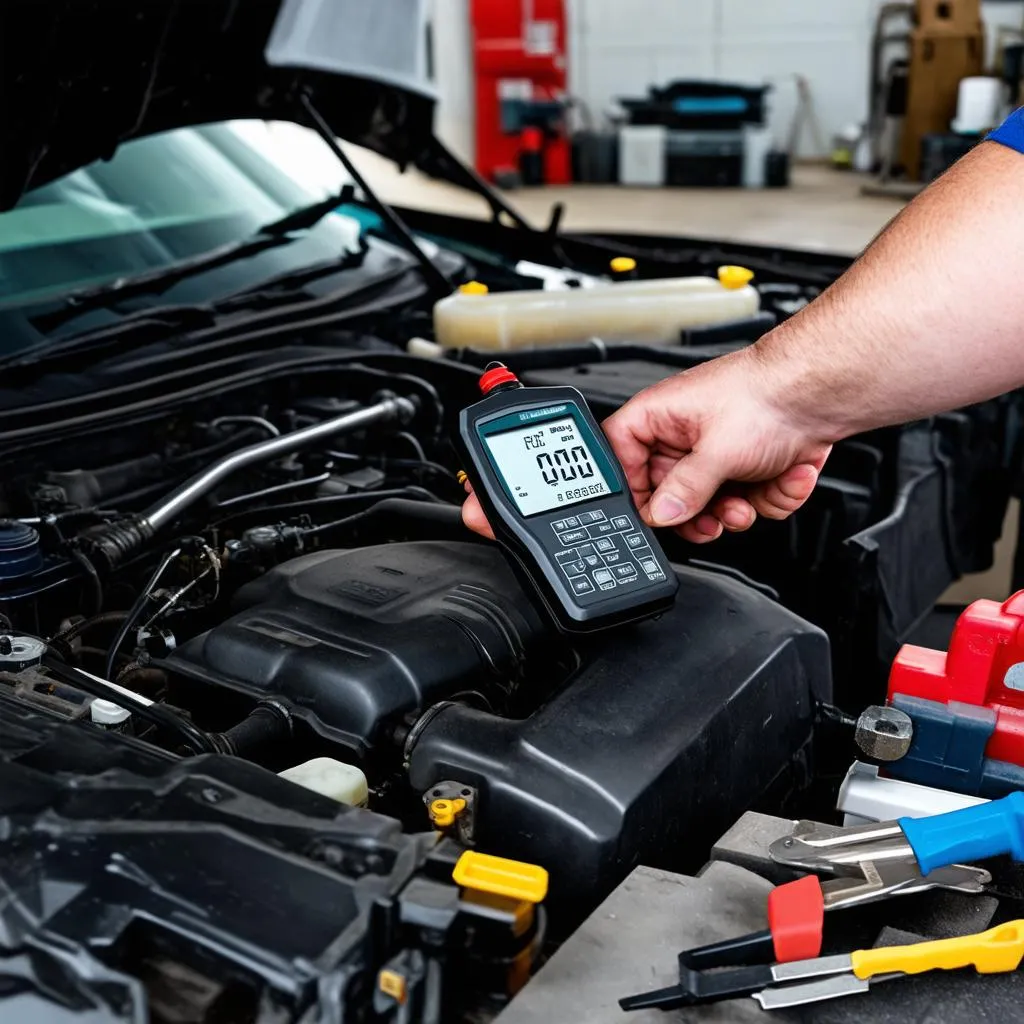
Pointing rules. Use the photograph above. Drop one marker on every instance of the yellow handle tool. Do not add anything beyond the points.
(999, 949)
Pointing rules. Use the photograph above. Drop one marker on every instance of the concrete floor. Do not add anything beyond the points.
(823, 210)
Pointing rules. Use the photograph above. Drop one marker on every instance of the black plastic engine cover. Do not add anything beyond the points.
(353, 640)
(670, 730)
(647, 751)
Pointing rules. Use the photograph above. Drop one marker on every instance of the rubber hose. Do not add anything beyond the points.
(145, 679)
(61, 642)
(266, 725)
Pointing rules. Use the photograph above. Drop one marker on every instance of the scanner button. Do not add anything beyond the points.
(573, 536)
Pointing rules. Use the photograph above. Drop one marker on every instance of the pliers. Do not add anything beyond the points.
(924, 847)
(796, 913)
(869, 862)
(795, 932)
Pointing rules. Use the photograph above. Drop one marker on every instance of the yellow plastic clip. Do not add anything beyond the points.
(391, 983)
(623, 265)
(444, 812)
(514, 878)
(995, 951)
(734, 277)
(474, 288)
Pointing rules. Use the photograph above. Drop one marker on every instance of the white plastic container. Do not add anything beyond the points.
(866, 797)
(978, 103)
(642, 154)
(342, 782)
(641, 312)
(757, 143)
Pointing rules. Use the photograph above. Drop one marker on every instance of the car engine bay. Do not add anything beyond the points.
(265, 557)
(282, 741)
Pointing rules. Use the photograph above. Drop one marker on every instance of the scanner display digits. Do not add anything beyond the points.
(547, 465)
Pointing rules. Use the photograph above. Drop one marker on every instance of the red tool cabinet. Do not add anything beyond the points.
(519, 53)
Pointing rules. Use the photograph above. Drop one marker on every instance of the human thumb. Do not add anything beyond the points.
(685, 492)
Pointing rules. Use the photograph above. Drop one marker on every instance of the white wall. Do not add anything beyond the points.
(620, 47)
(753, 41)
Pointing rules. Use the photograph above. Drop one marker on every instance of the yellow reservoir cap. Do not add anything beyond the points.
(444, 812)
(734, 277)
(513, 878)
(623, 264)
(474, 288)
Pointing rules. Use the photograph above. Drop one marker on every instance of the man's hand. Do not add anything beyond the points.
(709, 450)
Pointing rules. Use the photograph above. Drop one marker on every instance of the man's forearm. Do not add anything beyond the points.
(931, 317)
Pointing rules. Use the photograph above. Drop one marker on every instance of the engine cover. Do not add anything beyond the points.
(354, 640)
(641, 744)
(669, 731)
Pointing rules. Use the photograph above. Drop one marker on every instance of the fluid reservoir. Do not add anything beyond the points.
(639, 312)
(342, 782)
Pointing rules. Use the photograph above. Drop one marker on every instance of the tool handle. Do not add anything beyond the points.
(796, 918)
(972, 833)
(999, 949)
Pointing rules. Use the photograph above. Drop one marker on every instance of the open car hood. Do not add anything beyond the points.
(79, 77)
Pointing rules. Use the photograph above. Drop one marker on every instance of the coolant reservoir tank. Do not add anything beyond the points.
(641, 312)
(342, 782)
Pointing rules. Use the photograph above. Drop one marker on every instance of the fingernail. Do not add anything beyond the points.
(736, 518)
(666, 509)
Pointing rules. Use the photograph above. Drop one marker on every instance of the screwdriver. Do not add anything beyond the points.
(779, 986)
(996, 951)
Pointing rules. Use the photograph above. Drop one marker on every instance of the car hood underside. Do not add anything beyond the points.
(79, 77)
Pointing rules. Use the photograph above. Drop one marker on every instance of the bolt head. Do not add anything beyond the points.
(884, 733)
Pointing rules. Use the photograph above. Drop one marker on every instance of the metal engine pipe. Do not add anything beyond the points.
(112, 544)
(167, 509)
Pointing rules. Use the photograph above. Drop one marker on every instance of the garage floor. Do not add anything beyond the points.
(823, 210)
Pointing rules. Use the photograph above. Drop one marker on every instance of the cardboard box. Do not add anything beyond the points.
(937, 63)
(948, 17)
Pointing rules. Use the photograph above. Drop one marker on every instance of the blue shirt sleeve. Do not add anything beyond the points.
(1011, 132)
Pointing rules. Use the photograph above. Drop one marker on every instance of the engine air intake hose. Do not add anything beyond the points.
(267, 724)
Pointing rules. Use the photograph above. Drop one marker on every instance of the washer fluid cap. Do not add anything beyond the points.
(106, 712)
(734, 277)
(474, 288)
(623, 265)
(18, 653)
(20, 553)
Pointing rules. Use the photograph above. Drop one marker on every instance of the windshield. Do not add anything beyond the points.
(163, 199)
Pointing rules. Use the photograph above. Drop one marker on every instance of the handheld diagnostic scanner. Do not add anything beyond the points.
(559, 504)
